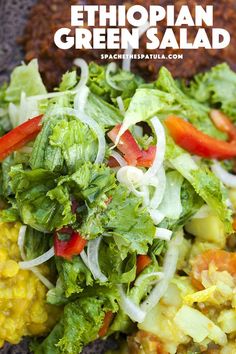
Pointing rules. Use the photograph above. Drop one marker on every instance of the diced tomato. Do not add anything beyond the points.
(127, 145)
(223, 123)
(106, 324)
(142, 262)
(147, 158)
(223, 261)
(70, 248)
(198, 143)
(19, 136)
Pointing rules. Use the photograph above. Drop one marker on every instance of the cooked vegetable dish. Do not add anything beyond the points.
(118, 196)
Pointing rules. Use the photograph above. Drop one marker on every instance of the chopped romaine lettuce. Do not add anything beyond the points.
(216, 87)
(80, 323)
(39, 209)
(25, 78)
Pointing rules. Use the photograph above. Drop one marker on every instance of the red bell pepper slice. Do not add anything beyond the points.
(19, 136)
(147, 158)
(198, 143)
(223, 123)
(142, 262)
(70, 248)
(127, 145)
(106, 323)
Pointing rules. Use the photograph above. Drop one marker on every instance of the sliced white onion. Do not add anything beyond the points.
(160, 189)
(169, 269)
(112, 68)
(146, 197)
(81, 98)
(171, 205)
(156, 216)
(227, 178)
(126, 65)
(93, 259)
(131, 309)
(119, 158)
(202, 213)
(163, 234)
(84, 75)
(42, 278)
(37, 261)
(92, 124)
(84, 257)
(141, 278)
(132, 177)
(120, 104)
(160, 148)
(21, 240)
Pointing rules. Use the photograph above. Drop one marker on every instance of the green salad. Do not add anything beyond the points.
(126, 190)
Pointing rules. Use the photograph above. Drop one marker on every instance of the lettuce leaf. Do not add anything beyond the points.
(68, 81)
(25, 78)
(104, 113)
(5, 124)
(80, 322)
(216, 88)
(206, 185)
(40, 204)
(126, 81)
(77, 142)
(44, 155)
(117, 269)
(185, 106)
(74, 275)
(128, 222)
(36, 243)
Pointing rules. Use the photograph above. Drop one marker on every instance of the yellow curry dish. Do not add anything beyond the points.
(23, 308)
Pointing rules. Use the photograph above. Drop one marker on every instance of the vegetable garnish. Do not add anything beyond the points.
(198, 143)
(19, 136)
(142, 262)
(71, 247)
(223, 123)
(106, 323)
(127, 145)
(132, 152)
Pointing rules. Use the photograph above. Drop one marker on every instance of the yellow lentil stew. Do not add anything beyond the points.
(23, 309)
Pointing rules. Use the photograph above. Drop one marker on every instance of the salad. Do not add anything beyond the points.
(126, 191)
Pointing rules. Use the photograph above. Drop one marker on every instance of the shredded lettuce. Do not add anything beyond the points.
(216, 87)
(126, 81)
(39, 204)
(186, 107)
(206, 185)
(68, 81)
(25, 78)
(80, 322)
